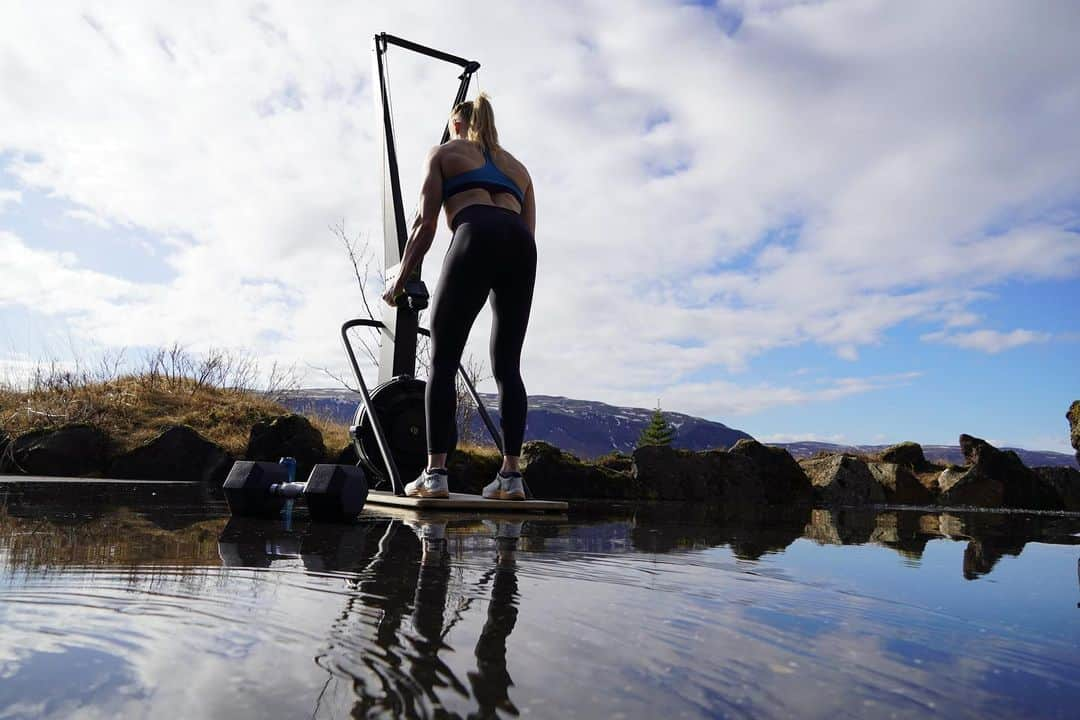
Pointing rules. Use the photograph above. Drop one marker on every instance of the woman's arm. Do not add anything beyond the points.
(423, 229)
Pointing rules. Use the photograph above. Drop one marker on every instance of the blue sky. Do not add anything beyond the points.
(849, 221)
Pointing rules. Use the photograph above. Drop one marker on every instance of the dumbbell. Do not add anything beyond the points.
(334, 493)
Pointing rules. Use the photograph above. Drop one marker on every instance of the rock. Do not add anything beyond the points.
(843, 480)
(957, 486)
(177, 453)
(287, 436)
(1073, 415)
(900, 484)
(1066, 483)
(782, 480)
(554, 474)
(75, 450)
(471, 470)
(347, 456)
(995, 478)
(907, 454)
(685, 475)
(617, 461)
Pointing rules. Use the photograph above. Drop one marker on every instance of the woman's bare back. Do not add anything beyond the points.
(460, 156)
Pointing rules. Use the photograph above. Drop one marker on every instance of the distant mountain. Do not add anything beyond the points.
(585, 428)
(589, 429)
(934, 453)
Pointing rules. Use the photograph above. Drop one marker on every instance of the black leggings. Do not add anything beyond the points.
(492, 253)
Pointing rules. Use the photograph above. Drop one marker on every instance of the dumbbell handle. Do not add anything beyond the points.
(288, 490)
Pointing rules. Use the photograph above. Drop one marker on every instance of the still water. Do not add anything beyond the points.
(141, 601)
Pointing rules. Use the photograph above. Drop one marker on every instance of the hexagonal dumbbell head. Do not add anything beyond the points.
(336, 493)
(247, 488)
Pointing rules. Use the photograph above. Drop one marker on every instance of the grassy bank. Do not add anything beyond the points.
(215, 394)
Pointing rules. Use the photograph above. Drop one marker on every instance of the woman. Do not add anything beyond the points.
(491, 209)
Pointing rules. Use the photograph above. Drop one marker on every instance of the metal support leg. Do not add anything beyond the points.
(380, 438)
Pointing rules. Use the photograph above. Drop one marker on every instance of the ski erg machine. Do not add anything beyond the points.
(389, 427)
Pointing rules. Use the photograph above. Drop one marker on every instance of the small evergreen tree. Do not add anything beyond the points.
(658, 432)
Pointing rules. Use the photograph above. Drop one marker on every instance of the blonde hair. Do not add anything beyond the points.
(479, 120)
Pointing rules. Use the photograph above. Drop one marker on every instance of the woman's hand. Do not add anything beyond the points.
(393, 291)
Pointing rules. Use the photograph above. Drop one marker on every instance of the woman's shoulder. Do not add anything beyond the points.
(508, 158)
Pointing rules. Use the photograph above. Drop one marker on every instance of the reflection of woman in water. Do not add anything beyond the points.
(490, 681)
(390, 668)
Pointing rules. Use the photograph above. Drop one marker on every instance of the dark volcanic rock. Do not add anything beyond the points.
(69, 451)
(1073, 417)
(1065, 481)
(178, 453)
(995, 478)
(287, 436)
(471, 471)
(781, 477)
(347, 456)
(907, 454)
(843, 480)
(900, 484)
(959, 486)
(554, 474)
(711, 475)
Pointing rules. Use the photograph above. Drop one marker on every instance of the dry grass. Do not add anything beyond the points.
(482, 451)
(131, 412)
(212, 393)
(335, 434)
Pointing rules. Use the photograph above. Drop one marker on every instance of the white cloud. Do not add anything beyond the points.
(9, 197)
(918, 168)
(89, 217)
(989, 341)
(725, 399)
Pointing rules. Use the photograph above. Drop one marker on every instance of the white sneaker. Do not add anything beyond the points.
(429, 485)
(505, 487)
(427, 530)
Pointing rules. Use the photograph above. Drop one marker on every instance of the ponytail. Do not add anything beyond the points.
(480, 120)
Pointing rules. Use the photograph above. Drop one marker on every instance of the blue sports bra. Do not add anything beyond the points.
(489, 177)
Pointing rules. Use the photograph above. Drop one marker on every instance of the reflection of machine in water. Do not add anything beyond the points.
(387, 643)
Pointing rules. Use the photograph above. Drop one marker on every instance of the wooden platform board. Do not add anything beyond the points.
(464, 502)
(22, 479)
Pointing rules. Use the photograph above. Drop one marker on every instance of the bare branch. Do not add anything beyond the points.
(335, 377)
(362, 256)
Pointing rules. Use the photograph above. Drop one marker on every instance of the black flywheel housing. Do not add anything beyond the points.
(399, 403)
